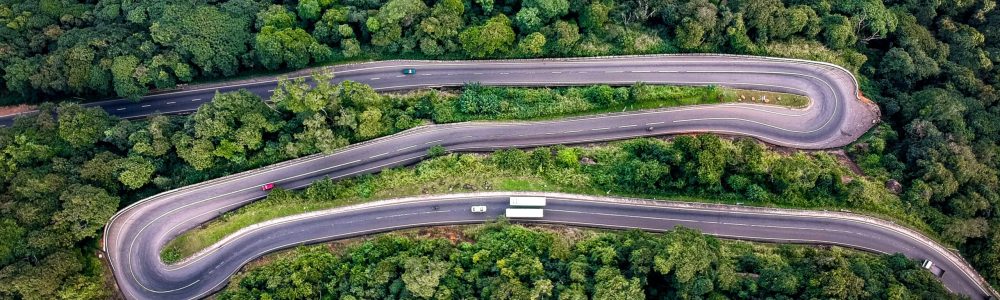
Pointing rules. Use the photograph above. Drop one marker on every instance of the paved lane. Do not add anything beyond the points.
(834, 119)
(136, 234)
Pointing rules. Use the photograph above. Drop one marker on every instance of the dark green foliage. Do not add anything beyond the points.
(513, 262)
(127, 48)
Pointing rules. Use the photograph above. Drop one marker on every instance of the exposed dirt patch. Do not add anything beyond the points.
(15, 109)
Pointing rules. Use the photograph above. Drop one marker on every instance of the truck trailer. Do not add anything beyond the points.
(527, 201)
(524, 213)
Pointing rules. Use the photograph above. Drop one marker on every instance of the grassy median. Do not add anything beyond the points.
(800, 180)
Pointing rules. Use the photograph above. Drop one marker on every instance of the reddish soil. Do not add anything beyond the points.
(13, 109)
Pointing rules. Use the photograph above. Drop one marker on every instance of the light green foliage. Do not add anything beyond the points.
(513, 262)
(81, 127)
(84, 210)
(276, 16)
(392, 20)
(290, 47)
(124, 71)
(214, 40)
(532, 45)
(494, 37)
(135, 172)
(422, 276)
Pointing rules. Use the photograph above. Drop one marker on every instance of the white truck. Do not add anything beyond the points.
(524, 213)
(527, 201)
(929, 265)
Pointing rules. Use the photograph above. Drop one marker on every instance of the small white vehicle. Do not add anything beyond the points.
(479, 209)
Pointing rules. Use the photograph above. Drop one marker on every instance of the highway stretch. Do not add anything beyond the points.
(833, 119)
(134, 237)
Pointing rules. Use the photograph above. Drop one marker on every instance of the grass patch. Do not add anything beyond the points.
(558, 169)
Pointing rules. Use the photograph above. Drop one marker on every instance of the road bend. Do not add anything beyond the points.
(834, 117)
(135, 235)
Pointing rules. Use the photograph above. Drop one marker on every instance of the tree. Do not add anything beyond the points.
(84, 210)
(838, 32)
(124, 71)
(135, 172)
(81, 127)
(292, 47)
(565, 35)
(422, 275)
(492, 38)
(610, 284)
(547, 9)
(309, 9)
(276, 16)
(528, 19)
(213, 40)
(532, 45)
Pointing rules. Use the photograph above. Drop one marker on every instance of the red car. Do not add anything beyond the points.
(267, 187)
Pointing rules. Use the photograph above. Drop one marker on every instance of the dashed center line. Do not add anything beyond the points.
(407, 147)
(555, 72)
(654, 123)
(375, 78)
(195, 99)
(171, 102)
(627, 126)
(271, 91)
(120, 109)
(599, 129)
(147, 105)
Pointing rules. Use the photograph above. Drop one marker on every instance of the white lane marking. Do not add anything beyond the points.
(120, 109)
(478, 73)
(376, 78)
(555, 72)
(374, 156)
(572, 131)
(432, 142)
(696, 221)
(504, 73)
(639, 71)
(147, 105)
(270, 91)
(195, 99)
(425, 74)
(407, 147)
(398, 76)
(655, 123)
(171, 102)
(614, 71)
(627, 126)
(599, 129)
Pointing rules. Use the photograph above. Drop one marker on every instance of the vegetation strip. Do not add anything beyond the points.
(502, 261)
(732, 172)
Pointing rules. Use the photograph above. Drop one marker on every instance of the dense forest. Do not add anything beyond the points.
(501, 261)
(929, 64)
(126, 48)
(66, 170)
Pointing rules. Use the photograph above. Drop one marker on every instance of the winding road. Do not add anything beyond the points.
(135, 235)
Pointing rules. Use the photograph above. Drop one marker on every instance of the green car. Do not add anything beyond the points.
(409, 71)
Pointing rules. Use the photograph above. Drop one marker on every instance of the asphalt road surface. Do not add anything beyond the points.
(835, 117)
